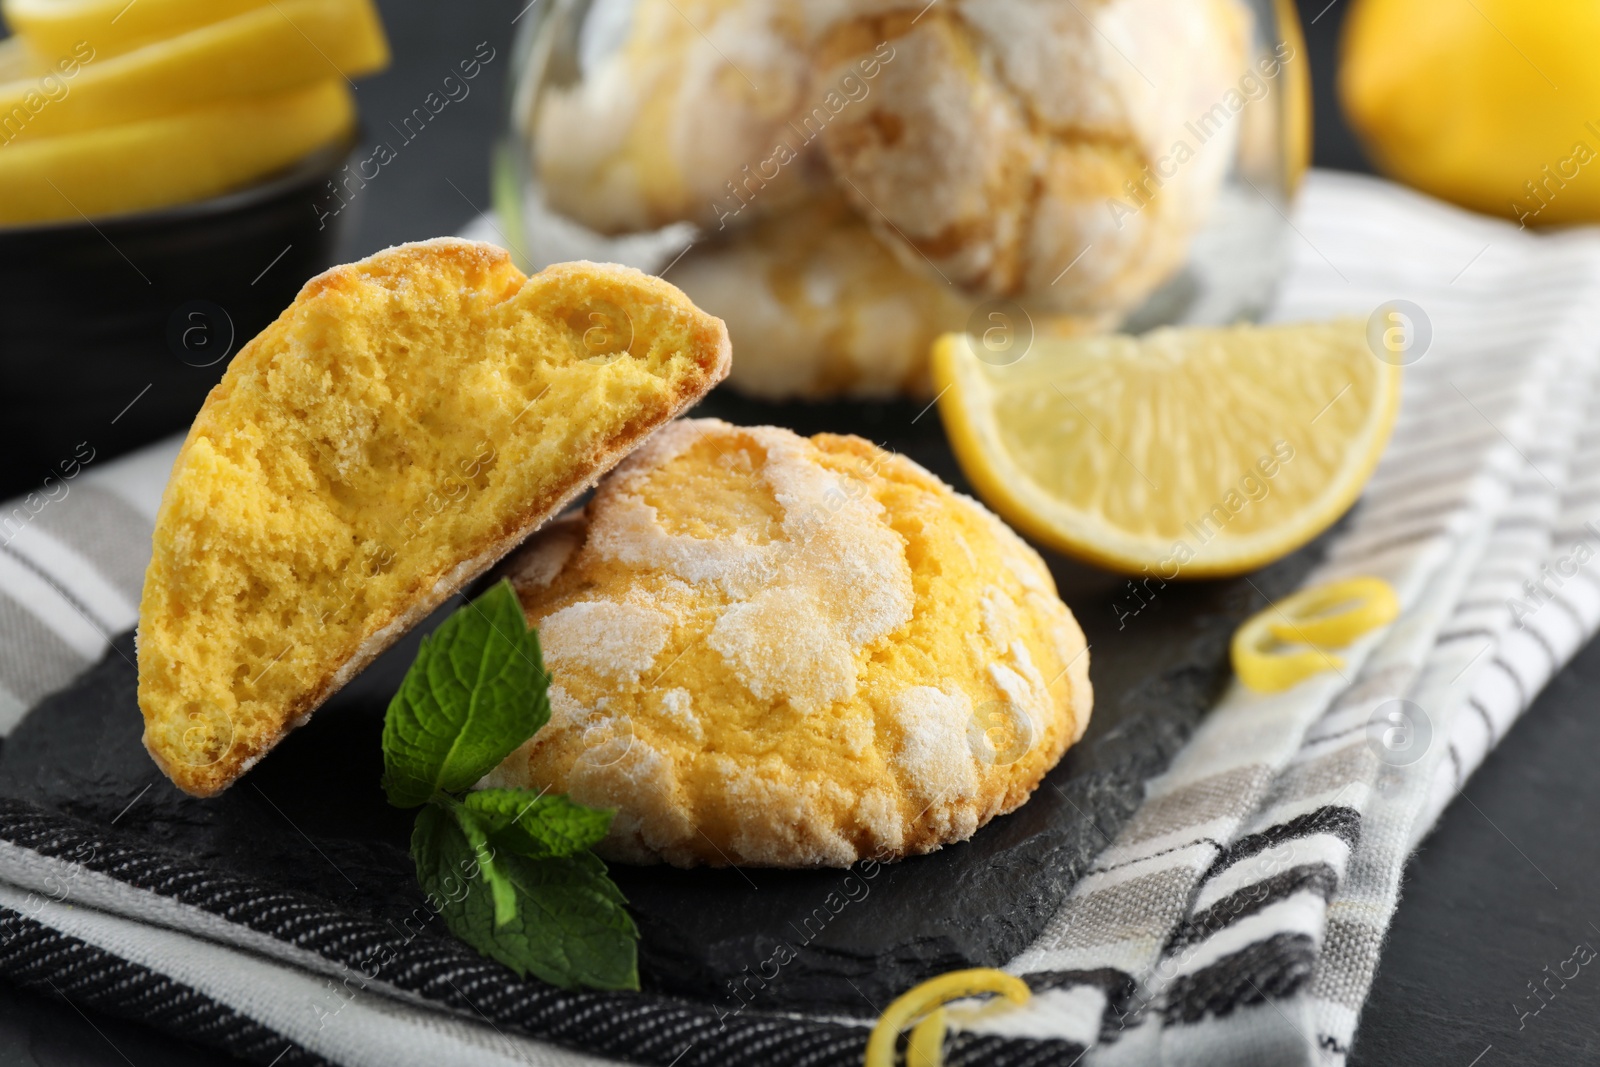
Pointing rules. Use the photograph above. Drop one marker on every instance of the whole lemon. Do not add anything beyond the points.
(1494, 104)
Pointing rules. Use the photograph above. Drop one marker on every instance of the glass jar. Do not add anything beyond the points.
(843, 181)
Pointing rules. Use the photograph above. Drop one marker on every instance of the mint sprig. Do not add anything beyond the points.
(477, 690)
(509, 870)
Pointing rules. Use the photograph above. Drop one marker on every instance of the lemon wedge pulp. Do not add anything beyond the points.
(1184, 453)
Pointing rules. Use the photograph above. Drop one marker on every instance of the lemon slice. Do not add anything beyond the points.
(54, 27)
(170, 160)
(1185, 453)
(285, 45)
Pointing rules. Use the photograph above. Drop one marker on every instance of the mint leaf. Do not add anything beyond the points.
(568, 924)
(503, 893)
(477, 690)
(535, 825)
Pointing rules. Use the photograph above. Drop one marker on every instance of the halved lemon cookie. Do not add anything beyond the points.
(778, 651)
(404, 424)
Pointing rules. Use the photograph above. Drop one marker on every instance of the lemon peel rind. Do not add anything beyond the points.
(1263, 670)
(926, 1045)
(1375, 604)
(932, 994)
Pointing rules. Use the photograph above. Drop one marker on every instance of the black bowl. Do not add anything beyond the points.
(112, 331)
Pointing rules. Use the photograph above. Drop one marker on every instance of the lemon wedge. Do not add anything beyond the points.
(169, 160)
(1184, 453)
(285, 45)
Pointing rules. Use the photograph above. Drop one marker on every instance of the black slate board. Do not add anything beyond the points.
(312, 817)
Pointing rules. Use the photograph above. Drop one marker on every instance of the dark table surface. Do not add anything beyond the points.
(1504, 886)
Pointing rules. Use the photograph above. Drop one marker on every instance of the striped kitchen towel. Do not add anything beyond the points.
(72, 560)
(1236, 919)
(1240, 913)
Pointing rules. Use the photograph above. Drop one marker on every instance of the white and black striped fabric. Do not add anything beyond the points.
(1245, 904)
(1237, 918)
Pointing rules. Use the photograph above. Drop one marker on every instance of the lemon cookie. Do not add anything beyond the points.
(405, 423)
(778, 651)
(999, 141)
(679, 122)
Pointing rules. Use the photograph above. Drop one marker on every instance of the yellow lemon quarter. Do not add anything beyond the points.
(1494, 104)
(1184, 453)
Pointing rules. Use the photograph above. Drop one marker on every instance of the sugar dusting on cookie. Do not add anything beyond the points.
(803, 607)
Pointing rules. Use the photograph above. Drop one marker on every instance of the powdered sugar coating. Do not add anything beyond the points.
(985, 135)
(999, 614)
(678, 706)
(803, 607)
(658, 127)
(933, 750)
(617, 640)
